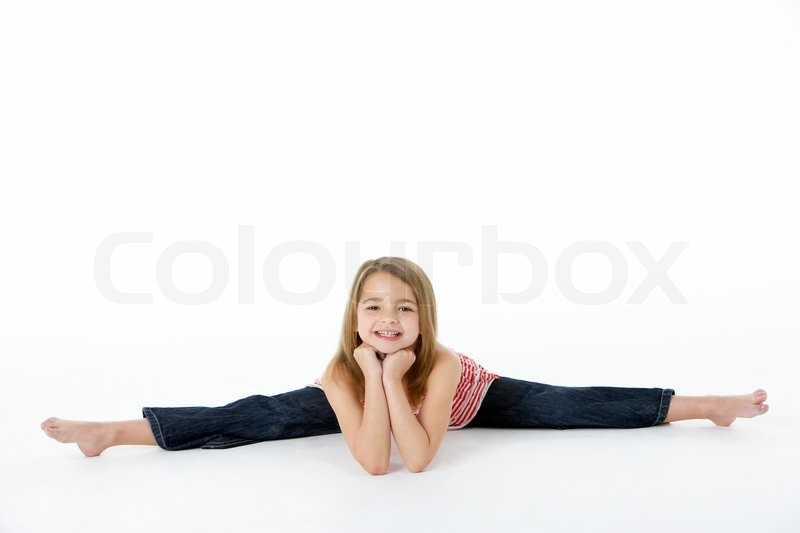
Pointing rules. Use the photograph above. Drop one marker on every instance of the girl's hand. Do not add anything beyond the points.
(396, 364)
(367, 358)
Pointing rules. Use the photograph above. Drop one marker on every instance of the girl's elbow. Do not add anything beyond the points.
(376, 469)
(375, 463)
(417, 468)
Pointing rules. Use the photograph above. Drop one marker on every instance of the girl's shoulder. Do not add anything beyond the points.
(444, 352)
(467, 365)
(449, 358)
(444, 377)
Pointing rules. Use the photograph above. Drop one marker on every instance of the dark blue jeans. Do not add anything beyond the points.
(515, 403)
(509, 403)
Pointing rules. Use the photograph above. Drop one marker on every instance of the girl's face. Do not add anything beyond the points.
(388, 317)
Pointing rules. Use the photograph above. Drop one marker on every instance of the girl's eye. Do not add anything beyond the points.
(371, 307)
(410, 309)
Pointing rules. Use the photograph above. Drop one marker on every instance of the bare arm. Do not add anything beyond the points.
(373, 446)
(418, 438)
(365, 429)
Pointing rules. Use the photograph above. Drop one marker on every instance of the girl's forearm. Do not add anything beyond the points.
(411, 438)
(373, 443)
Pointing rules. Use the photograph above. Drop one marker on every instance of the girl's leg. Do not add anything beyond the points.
(300, 413)
(722, 410)
(94, 437)
(515, 403)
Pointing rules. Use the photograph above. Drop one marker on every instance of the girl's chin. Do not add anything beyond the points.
(389, 347)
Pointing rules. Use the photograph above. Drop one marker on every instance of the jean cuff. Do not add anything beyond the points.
(155, 427)
(663, 408)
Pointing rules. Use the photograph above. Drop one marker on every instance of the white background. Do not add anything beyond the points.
(372, 129)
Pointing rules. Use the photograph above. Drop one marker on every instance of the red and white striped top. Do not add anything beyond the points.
(471, 390)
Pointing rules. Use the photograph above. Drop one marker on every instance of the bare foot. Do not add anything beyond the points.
(725, 409)
(91, 437)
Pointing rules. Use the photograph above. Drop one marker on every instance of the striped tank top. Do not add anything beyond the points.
(470, 392)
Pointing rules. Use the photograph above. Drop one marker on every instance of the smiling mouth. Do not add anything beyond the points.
(388, 334)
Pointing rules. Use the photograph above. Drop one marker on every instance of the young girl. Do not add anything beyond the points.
(391, 377)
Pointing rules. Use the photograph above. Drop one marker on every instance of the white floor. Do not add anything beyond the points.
(687, 476)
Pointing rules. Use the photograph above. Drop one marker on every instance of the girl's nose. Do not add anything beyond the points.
(389, 318)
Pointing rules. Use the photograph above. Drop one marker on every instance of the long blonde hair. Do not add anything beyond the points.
(415, 379)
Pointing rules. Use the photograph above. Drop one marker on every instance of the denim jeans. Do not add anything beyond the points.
(515, 403)
(299, 413)
(509, 403)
